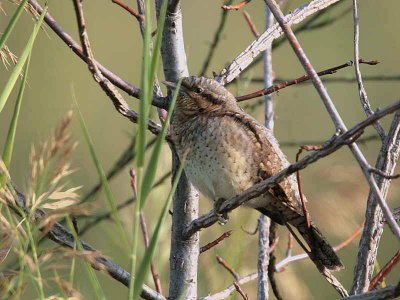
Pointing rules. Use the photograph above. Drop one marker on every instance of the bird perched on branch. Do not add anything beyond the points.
(227, 151)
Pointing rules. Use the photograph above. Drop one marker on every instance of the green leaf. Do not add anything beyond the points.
(9, 144)
(21, 62)
(144, 266)
(12, 23)
(102, 176)
(151, 169)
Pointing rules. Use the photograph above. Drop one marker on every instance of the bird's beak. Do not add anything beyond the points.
(169, 84)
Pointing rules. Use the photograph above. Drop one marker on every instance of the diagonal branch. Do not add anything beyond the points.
(130, 89)
(363, 94)
(369, 242)
(345, 138)
(65, 238)
(244, 59)
(117, 99)
(330, 107)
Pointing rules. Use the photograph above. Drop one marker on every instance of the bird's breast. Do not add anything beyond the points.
(218, 158)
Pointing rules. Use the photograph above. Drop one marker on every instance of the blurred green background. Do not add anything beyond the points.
(335, 186)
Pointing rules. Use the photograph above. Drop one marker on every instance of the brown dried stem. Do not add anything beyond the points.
(381, 276)
(237, 6)
(333, 113)
(240, 291)
(251, 24)
(260, 188)
(223, 263)
(279, 86)
(216, 241)
(138, 16)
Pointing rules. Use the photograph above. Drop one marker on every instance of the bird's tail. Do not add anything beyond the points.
(321, 250)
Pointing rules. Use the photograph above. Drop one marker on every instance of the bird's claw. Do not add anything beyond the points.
(222, 218)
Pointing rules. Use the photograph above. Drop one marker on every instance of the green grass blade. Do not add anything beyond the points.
(152, 165)
(157, 45)
(9, 144)
(146, 89)
(12, 23)
(21, 62)
(102, 176)
(144, 266)
(98, 291)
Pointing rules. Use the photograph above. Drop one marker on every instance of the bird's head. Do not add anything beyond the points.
(201, 95)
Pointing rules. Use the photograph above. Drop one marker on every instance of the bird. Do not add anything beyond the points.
(226, 151)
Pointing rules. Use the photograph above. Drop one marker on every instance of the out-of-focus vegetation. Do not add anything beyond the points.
(335, 186)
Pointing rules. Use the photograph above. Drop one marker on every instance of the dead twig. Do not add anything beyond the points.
(237, 6)
(223, 263)
(216, 241)
(240, 291)
(279, 86)
(384, 272)
(138, 16)
(251, 24)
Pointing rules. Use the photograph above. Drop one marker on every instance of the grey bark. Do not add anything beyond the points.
(369, 242)
(184, 251)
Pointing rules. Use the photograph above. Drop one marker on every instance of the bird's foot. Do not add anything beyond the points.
(222, 218)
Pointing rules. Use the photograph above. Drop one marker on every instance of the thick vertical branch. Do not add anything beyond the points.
(184, 252)
(369, 242)
(264, 222)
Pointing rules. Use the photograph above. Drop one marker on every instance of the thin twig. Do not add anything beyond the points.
(138, 16)
(145, 232)
(129, 88)
(383, 174)
(361, 90)
(237, 6)
(251, 24)
(216, 241)
(240, 291)
(107, 215)
(279, 86)
(120, 104)
(260, 188)
(65, 238)
(223, 263)
(337, 120)
(384, 272)
(216, 40)
(300, 186)
(245, 58)
(369, 242)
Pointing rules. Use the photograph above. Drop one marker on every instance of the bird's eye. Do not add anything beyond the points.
(199, 90)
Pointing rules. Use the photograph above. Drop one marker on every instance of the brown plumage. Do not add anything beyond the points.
(228, 151)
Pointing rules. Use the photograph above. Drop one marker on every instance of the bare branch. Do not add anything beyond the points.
(237, 6)
(215, 42)
(390, 292)
(260, 188)
(274, 88)
(369, 242)
(223, 263)
(330, 107)
(230, 289)
(244, 59)
(363, 94)
(384, 272)
(65, 238)
(131, 89)
(216, 241)
(138, 16)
